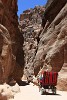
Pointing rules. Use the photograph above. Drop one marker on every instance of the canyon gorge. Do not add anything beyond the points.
(38, 38)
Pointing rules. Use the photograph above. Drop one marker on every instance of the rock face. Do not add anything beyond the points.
(11, 41)
(52, 44)
(10, 21)
(5, 54)
(30, 27)
(48, 44)
(53, 7)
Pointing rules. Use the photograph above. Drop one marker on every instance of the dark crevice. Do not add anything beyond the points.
(20, 52)
(20, 57)
(22, 83)
(38, 37)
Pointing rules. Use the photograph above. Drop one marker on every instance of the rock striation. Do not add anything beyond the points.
(52, 42)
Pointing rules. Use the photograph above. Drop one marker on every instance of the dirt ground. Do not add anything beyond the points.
(31, 92)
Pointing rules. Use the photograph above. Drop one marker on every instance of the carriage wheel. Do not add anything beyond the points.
(41, 91)
(54, 90)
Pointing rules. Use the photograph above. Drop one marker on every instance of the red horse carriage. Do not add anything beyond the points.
(47, 80)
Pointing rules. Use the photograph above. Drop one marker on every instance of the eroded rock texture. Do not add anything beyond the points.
(53, 41)
(5, 54)
(53, 7)
(30, 26)
(11, 41)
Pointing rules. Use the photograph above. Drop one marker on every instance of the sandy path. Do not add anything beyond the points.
(30, 92)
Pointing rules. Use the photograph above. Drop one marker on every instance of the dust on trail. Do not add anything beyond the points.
(30, 92)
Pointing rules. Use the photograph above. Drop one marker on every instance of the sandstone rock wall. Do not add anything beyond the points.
(5, 54)
(51, 48)
(13, 56)
(30, 27)
(53, 7)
